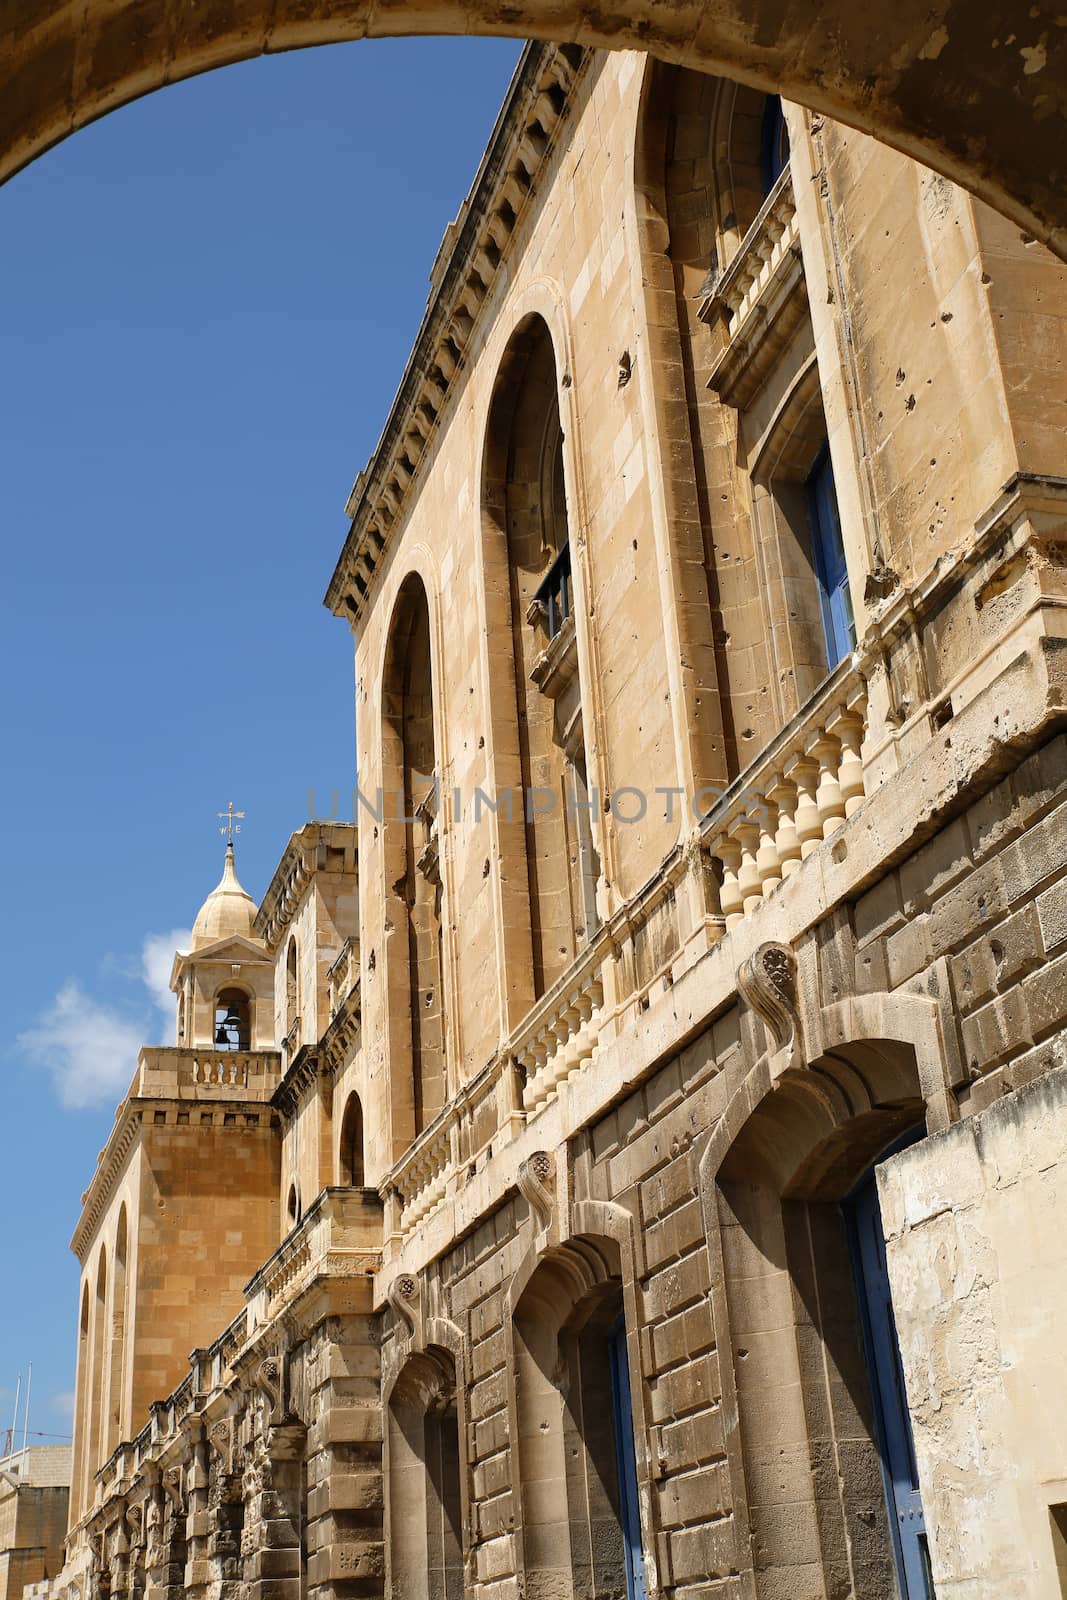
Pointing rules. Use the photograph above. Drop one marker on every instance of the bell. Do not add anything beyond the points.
(228, 1027)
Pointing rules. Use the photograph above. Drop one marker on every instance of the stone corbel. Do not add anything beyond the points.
(537, 1184)
(767, 982)
(220, 1438)
(403, 1296)
(134, 1518)
(174, 1487)
(269, 1379)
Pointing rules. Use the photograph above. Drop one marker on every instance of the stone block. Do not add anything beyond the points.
(1052, 914)
(996, 1031)
(936, 867)
(1045, 993)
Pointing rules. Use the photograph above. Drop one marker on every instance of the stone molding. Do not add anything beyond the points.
(474, 249)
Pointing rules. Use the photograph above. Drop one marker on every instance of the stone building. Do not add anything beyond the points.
(34, 1484)
(641, 1165)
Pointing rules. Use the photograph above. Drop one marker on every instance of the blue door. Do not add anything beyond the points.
(887, 1389)
(828, 554)
(629, 1511)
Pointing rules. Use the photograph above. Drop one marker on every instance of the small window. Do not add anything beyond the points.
(352, 1169)
(291, 986)
(775, 143)
(293, 1206)
(828, 552)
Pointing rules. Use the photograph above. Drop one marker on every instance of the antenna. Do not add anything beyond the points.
(26, 1413)
(14, 1419)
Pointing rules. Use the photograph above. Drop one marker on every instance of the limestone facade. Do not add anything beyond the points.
(34, 1486)
(510, 1180)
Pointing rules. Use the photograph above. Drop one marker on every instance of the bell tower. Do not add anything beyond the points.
(225, 983)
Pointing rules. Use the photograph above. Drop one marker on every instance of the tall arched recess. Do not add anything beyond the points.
(699, 181)
(417, 1070)
(116, 1419)
(548, 858)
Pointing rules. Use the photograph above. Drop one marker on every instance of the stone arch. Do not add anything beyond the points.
(292, 983)
(566, 1452)
(801, 1437)
(118, 1335)
(411, 770)
(351, 1152)
(425, 1498)
(539, 669)
(232, 1014)
(692, 201)
(98, 1382)
(934, 86)
(81, 1408)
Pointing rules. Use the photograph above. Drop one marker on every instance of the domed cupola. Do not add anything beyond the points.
(227, 911)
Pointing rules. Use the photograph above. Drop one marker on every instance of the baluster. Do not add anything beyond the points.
(768, 864)
(804, 773)
(849, 729)
(831, 802)
(729, 853)
(747, 835)
(783, 796)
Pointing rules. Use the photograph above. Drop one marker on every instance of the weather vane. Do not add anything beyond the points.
(230, 823)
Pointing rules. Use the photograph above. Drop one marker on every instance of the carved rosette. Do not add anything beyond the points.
(767, 981)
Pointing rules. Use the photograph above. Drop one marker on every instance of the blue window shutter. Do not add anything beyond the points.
(828, 553)
(629, 1508)
(886, 1375)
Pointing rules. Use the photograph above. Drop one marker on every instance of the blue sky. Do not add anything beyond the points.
(206, 301)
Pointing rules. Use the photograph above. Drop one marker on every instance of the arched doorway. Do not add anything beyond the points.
(576, 1452)
(789, 1189)
(424, 1477)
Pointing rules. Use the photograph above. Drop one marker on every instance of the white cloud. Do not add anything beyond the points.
(157, 958)
(90, 1049)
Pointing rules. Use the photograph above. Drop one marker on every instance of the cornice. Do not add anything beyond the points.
(466, 269)
(300, 1079)
(309, 851)
(111, 1161)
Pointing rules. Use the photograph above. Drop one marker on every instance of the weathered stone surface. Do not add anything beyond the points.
(518, 1085)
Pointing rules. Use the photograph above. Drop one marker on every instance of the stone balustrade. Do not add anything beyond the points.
(341, 1232)
(421, 1178)
(170, 1071)
(343, 976)
(800, 791)
(560, 1034)
(761, 253)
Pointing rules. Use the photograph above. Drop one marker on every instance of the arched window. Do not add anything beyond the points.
(292, 1206)
(774, 144)
(798, 527)
(352, 1166)
(117, 1332)
(292, 988)
(528, 555)
(233, 1027)
(425, 1515)
(581, 1522)
(412, 864)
